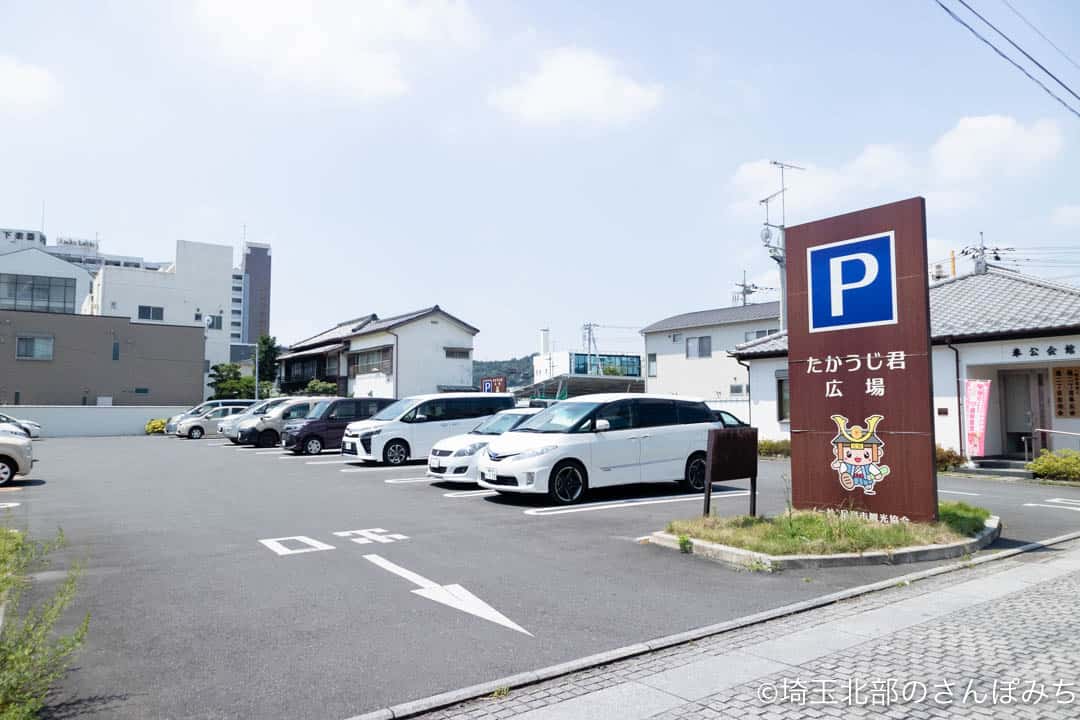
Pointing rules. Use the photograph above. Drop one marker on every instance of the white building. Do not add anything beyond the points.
(32, 279)
(425, 351)
(688, 354)
(1020, 333)
(195, 289)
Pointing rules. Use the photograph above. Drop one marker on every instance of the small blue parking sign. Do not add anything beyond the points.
(852, 283)
(488, 385)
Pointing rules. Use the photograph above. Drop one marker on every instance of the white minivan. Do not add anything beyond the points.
(601, 440)
(410, 427)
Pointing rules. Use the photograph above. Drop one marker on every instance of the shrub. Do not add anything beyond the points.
(320, 387)
(32, 658)
(774, 448)
(157, 425)
(948, 459)
(1057, 465)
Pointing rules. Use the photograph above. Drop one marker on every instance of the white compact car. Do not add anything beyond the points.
(455, 457)
(601, 440)
(410, 427)
(196, 427)
(16, 456)
(28, 425)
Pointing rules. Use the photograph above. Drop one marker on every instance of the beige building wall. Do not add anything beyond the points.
(154, 364)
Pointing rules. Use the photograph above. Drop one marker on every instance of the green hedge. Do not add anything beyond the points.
(1057, 465)
(774, 448)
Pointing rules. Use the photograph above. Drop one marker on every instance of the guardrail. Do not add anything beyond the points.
(1027, 439)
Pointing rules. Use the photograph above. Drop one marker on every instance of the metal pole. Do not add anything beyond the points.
(256, 371)
(708, 493)
(782, 263)
(753, 495)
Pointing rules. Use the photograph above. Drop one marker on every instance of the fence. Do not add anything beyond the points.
(87, 420)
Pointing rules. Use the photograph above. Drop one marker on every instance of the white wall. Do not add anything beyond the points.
(422, 361)
(552, 364)
(91, 420)
(39, 262)
(200, 280)
(708, 378)
(762, 413)
(378, 385)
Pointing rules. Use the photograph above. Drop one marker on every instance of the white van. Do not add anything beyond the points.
(598, 441)
(410, 427)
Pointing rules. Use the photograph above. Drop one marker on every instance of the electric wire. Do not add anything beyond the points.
(1040, 34)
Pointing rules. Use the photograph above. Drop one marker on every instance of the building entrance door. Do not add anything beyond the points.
(1024, 407)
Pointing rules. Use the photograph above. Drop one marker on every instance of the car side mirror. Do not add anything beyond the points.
(602, 425)
(421, 418)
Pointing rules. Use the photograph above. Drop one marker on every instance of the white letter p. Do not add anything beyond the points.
(836, 278)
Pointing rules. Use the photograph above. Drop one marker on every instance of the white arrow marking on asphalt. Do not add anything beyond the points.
(453, 596)
(1062, 504)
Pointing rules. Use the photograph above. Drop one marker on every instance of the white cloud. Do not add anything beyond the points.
(957, 172)
(353, 49)
(576, 85)
(978, 148)
(1067, 216)
(25, 86)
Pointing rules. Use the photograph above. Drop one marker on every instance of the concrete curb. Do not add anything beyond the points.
(741, 559)
(473, 692)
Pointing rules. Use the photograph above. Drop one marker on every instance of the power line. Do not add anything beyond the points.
(1005, 57)
(1022, 50)
(1040, 34)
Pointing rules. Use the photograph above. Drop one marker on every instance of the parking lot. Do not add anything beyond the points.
(238, 582)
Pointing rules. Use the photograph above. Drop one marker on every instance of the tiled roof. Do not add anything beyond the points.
(717, 316)
(997, 303)
(368, 324)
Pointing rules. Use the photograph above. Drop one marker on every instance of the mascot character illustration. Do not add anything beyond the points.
(858, 454)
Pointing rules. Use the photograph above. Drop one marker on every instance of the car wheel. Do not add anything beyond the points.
(267, 438)
(195, 433)
(694, 478)
(396, 452)
(7, 471)
(234, 441)
(312, 446)
(568, 483)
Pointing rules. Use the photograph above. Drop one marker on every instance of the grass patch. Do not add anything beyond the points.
(805, 532)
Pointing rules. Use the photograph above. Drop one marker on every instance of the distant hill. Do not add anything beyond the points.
(518, 371)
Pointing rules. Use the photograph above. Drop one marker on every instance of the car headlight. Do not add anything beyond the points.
(536, 453)
(369, 434)
(470, 449)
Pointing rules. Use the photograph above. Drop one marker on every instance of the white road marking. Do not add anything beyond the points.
(329, 462)
(629, 503)
(470, 493)
(1058, 504)
(7, 506)
(224, 444)
(405, 481)
(369, 468)
(271, 452)
(453, 596)
(370, 535)
(957, 492)
(279, 547)
(1064, 501)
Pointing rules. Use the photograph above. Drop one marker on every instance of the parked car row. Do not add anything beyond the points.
(561, 450)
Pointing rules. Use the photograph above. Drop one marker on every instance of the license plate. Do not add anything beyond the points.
(489, 476)
(437, 468)
(348, 448)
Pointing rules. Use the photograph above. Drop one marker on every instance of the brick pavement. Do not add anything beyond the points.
(1012, 620)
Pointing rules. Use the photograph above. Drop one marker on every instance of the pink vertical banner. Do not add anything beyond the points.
(976, 404)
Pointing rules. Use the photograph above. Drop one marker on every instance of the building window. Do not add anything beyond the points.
(142, 391)
(33, 347)
(652, 365)
(198, 317)
(37, 292)
(618, 365)
(755, 334)
(216, 322)
(18, 397)
(238, 278)
(116, 350)
(699, 347)
(237, 300)
(234, 323)
(151, 312)
(235, 336)
(237, 312)
(299, 370)
(332, 365)
(737, 389)
(237, 289)
(205, 366)
(676, 337)
(783, 400)
(379, 360)
(458, 353)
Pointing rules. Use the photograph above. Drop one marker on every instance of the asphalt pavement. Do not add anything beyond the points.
(228, 582)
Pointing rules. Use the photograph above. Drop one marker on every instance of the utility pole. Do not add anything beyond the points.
(979, 254)
(776, 246)
(747, 289)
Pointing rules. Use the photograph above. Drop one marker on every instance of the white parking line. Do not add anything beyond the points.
(406, 481)
(470, 493)
(957, 492)
(630, 503)
(330, 462)
(271, 452)
(368, 468)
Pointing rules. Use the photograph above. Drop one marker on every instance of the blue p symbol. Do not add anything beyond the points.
(852, 283)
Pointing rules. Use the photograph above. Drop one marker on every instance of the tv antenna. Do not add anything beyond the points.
(774, 241)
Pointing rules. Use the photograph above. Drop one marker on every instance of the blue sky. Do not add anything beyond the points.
(524, 165)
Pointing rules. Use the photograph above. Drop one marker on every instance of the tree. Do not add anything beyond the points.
(320, 387)
(268, 358)
(226, 381)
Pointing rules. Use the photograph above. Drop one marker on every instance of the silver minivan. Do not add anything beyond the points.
(265, 430)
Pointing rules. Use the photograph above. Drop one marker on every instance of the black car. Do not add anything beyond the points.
(325, 424)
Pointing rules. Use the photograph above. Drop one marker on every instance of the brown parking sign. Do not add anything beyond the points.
(862, 433)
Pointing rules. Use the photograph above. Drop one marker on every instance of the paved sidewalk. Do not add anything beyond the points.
(997, 641)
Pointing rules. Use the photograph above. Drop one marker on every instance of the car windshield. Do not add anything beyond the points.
(318, 409)
(498, 424)
(201, 409)
(558, 418)
(396, 410)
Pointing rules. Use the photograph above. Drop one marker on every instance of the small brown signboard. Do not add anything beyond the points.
(732, 454)
(862, 433)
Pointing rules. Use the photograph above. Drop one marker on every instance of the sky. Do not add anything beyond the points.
(528, 165)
